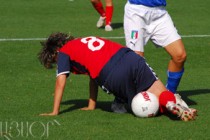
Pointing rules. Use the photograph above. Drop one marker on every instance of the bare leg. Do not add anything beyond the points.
(157, 88)
(178, 55)
(176, 65)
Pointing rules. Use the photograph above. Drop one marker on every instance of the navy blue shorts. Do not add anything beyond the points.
(126, 74)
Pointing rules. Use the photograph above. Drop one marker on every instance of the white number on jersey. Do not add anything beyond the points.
(90, 42)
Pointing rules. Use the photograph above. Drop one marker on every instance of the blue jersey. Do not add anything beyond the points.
(149, 3)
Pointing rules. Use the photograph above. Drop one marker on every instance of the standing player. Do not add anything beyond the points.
(114, 68)
(105, 15)
(148, 20)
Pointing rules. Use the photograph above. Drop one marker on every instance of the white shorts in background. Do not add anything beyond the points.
(142, 23)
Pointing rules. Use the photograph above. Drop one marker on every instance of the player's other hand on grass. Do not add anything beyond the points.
(87, 108)
(48, 114)
(91, 105)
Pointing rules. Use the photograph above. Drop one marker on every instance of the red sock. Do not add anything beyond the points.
(99, 8)
(109, 13)
(164, 98)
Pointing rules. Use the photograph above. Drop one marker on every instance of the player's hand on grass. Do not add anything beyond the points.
(91, 105)
(48, 114)
(87, 108)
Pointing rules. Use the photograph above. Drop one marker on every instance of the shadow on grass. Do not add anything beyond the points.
(106, 105)
(186, 93)
(80, 103)
(114, 26)
(117, 25)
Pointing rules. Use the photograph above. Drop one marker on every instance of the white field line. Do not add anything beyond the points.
(120, 37)
(195, 36)
(21, 39)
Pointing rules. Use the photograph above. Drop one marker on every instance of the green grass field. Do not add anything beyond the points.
(26, 88)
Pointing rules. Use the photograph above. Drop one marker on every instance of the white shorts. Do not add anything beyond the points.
(142, 23)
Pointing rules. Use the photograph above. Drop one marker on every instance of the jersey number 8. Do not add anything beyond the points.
(90, 43)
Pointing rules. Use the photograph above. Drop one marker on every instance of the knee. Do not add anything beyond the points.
(180, 57)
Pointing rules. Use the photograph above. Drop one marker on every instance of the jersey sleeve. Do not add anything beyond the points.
(63, 64)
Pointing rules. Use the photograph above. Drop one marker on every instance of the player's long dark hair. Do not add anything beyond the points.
(48, 54)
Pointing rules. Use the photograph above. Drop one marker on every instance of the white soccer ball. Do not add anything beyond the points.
(145, 104)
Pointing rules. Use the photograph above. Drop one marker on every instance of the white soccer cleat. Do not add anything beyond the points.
(180, 101)
(108, 28)
(183, 103)
(100, 22)
(184, 113)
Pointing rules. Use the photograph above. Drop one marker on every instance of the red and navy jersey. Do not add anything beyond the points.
(86, 55)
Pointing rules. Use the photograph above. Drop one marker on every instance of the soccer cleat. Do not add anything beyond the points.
(118, 107)
(184, 113)
(100, 22)
(194, 111)
(180, 101)
(108, 28)
(183, 103)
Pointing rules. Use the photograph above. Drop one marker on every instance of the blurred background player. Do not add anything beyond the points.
(116, 69)
(105, 14)
(148, 20)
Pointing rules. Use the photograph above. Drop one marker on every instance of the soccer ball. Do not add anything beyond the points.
(145, 104)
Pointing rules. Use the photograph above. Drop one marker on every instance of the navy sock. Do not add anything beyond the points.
(173, 80)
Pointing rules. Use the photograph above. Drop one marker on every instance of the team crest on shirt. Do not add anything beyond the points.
(134, 34)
